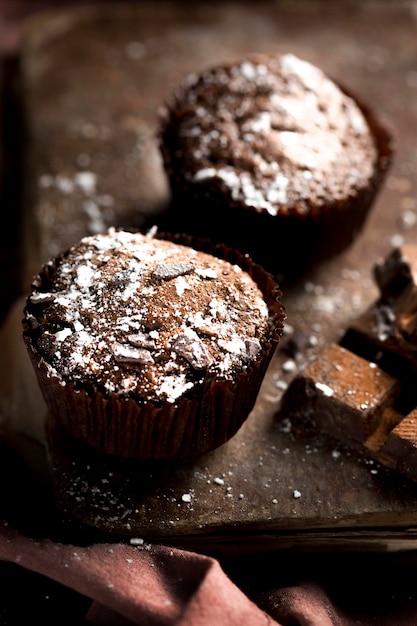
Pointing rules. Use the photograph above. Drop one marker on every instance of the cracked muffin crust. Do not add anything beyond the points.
(128, 331)
(274, 142)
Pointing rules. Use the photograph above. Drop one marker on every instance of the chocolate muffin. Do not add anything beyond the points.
(149, 347)
(269, 155)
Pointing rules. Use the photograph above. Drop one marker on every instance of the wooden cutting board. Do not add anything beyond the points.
(92, 79)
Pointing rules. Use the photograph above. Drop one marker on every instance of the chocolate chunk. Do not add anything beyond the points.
(37, 297)
(190, 346)
(141, 340)
(167, 271)
(126, 354)
(396, 271)
(390, 324)
(399, 449)
(362, 390)
(347, 393)
(385, 321)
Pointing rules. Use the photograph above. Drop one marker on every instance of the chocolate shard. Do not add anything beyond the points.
(397, 270)
(190, 346)
(167, 271)
(39, 297)
(348, 393)
(397, 280)
(127, 354)
(389, 326)
(399, 449)
(141, 340)
(362, 390)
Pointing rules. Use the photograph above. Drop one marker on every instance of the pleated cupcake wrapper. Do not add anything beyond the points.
(203, 419)
(195, 425)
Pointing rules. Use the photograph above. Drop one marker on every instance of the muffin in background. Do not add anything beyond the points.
(151, 347)
(269, 155)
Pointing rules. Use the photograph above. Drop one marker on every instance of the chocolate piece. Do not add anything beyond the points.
(189, 345)
(387, 330)
(362, 390)
(166, 271)
(140, 340)
(41, 298)
(399, 450)
(394, 272)
(347, 393)
(126, 354)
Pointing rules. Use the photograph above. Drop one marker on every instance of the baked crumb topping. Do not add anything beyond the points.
(130, 314)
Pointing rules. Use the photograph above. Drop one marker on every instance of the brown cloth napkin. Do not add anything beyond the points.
(154, 585)
(150, 585)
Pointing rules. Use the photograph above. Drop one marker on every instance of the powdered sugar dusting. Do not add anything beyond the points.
(276, 132)
(143, 317)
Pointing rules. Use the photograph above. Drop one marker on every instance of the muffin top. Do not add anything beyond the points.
(123, 312)
(272, 132)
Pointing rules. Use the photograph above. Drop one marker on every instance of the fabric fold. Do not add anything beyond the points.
(150, 585)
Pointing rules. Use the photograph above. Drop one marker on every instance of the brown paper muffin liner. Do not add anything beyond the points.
(287, 244)
(200, 421)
